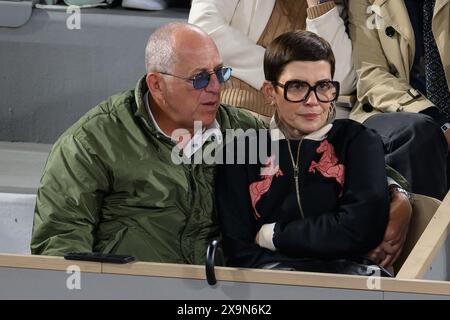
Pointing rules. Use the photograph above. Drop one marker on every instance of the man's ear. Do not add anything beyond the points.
(155, 85)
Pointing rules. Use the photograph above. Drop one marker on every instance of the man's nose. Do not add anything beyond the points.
(214, 86)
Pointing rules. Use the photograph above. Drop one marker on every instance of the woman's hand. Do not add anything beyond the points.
(390, 248)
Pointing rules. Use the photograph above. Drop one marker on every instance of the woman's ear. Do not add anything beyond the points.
(269, 91)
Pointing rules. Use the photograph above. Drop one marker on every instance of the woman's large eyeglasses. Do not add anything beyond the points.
(201, 80)
(298, 91)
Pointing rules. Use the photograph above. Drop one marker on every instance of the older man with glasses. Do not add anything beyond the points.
(110, 185)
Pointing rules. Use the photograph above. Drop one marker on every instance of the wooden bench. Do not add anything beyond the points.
(40, 277)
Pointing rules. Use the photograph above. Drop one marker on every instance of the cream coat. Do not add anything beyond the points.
(236, 25)
(383, 63)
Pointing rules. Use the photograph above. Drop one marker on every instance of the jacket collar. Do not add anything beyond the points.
(141, 111)
(399, 15)
(395, 14)
(440, 4)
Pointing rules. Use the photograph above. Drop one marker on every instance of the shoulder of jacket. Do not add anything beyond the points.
(230, 117)
(350, 128)
(103, 112)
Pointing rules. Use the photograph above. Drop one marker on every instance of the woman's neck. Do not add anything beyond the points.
(289, 132)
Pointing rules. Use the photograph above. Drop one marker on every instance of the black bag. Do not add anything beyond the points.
(354, 266)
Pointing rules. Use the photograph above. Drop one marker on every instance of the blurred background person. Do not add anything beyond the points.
(243, 29)
(402, 58)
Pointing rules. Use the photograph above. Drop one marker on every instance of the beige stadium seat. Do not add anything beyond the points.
(428, 232)
(423, 210)
(16, 222)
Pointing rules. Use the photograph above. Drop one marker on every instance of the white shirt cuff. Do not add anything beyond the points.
(266, 236)
(391, 181)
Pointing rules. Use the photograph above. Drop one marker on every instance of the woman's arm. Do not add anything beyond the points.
(237, 221)
(358, 224)
(326, 21)
(236, 48)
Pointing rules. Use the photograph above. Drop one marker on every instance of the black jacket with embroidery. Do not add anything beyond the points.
(343, 195)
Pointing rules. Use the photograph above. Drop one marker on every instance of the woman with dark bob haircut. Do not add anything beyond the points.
(321, 195)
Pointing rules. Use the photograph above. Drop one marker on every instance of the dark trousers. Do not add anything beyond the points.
(416, 147)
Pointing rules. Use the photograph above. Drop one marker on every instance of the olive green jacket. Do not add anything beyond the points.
(109, 185)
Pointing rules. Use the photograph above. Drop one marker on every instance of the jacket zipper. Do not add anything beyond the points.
(296, 167)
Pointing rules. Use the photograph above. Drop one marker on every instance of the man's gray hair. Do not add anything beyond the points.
(160, 52)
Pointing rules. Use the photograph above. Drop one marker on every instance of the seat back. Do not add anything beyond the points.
(16, 222)
(424, 209)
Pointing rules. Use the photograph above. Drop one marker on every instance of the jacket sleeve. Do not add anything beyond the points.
(376, 85)
(237, 222)
(358, 224)
(236, 49)
(68, 200)
(331, 27)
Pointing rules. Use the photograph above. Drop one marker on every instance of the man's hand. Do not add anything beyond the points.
(257, 238)
(390, 248)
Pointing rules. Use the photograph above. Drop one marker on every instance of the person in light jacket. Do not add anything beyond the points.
(402, 58)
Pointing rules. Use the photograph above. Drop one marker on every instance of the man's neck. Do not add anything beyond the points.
(157, 115)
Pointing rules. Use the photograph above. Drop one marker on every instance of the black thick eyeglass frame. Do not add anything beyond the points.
(311, 88)
(205, 76)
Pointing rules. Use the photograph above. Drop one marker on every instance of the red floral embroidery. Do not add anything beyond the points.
(258, 188)
(328, 164)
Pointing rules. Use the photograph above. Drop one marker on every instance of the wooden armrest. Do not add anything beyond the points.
(347, 101)
(431, 239)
